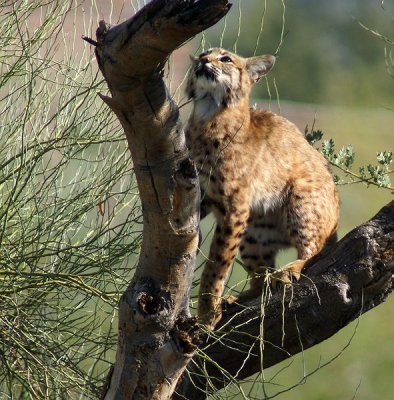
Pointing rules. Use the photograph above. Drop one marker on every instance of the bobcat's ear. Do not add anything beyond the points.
(259, 66)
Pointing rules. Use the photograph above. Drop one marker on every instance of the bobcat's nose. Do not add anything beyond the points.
(204, 60)
(204, 63)
(204, 57)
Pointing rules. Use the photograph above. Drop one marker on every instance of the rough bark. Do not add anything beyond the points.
(340, 284)
(156, 335)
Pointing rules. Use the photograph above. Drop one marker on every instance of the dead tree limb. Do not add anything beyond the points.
(156, 336)
(340, 284)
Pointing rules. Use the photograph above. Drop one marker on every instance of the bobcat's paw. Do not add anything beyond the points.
(230, 299)
(243, 297)
(288, 274)
(209, 312)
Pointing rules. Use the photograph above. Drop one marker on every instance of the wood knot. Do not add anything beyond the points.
(186, 335)
(382, 281)
(187, 168)
(149, 305)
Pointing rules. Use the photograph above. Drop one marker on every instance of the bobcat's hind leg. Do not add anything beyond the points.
(312, 218)
(258, 249)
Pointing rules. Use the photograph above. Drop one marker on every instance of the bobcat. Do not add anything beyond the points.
(267, 187)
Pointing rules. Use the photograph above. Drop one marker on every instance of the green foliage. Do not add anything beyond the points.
(379, 174)
(69, 215)
(344, 159)
(313, 136)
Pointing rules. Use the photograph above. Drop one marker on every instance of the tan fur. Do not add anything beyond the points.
(267, 187)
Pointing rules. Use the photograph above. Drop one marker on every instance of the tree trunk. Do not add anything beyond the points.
(157, 336)
(340, 284)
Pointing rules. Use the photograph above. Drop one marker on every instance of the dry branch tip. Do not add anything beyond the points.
(89, 40)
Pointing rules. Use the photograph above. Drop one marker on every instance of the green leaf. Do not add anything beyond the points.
(313, 136)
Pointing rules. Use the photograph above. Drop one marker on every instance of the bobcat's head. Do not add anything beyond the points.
(225, 78)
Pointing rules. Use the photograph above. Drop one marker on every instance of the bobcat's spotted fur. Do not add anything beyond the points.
(267, 187)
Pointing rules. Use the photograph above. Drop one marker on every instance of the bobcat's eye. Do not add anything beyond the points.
(226, 59)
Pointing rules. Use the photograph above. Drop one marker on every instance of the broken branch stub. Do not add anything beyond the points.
(143, 43)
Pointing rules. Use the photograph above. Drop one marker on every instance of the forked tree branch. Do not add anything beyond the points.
(157, 337)
(339, 285)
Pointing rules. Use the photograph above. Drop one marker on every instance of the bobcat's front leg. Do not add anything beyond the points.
(227, 237)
